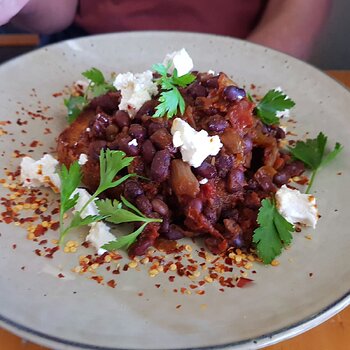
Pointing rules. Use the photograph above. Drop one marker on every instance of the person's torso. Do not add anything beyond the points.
(226, 17)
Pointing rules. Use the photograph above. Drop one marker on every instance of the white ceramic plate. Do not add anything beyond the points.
(76, 313)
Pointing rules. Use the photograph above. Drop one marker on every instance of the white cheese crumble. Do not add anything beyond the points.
(42, 172)
(194, 145)
(99, 235)
(286, 112)
(180, 60)
(83, 158)
(210, 71)
(135, 89)
(133, 142)
(84, 196)
(203, 181)
(297, 207)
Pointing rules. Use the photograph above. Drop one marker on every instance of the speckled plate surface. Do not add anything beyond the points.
(311, 284)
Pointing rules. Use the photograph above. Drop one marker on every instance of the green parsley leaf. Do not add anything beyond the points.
(70, 180)
(111, 162)
(115, 214)
(170, 98)
(274, 101)
(124, 241)
(75, 105)
(95, 75)
(312, 153)
(274, 232)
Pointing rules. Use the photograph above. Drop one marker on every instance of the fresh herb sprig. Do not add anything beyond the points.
(111, 162)
(273, 233)
(116, 214)
(170, 98)
(97, 86)
(273, 102)
(312, 153)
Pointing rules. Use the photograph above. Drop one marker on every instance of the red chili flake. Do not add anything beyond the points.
(183, 290)
(221, 289)
(47, 131)
(339, 173)
(126, 267)
(311, 274)
(193, 286)
(39, 230)
(37, 252)
(98, 279)
(85, 244)
(112, 283)
(34, 143)
(60, 275)
(171, 278)
(253, 271)
(252, 86)
(108, 268)
(57, 94)
(116, 272)
(200, 292)
(228, 261)
(201, 283)
(157, 285)
(202, 255)
(7, 220)
(55, 226)
(44, 241)
(51, 251)
(178, 306)
(14, 246)
(140, 294)
(243, 281)
(23, 267)
(175, 290)
(22, 122)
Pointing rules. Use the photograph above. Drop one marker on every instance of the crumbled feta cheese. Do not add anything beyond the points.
(203, 181)
(194, 145)
(180, 60)
(83, 158)
(136, 89)
(133, 142)
(40, 173)
(210, 71)
(286, 112)
(84, 196)
(297, 207)
(99, 235)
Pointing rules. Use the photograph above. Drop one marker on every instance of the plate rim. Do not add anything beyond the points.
(258, 342)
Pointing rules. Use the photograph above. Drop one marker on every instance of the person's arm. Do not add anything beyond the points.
(40, 16)
(291, 26)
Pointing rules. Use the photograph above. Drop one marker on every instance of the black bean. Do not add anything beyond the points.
(160, 207)
(143, 204)
(235, 180)
(197, 90)
(132, 189)
(295, 168)
(160, 166)
(121, 118)
(111, 132)
(217, 123)
(223, 165)
(98, 128)
(148, 151)
(248, 144)
(205, 170)
(211, 214)
(212, 82)
(233, 93)
(164, 226)
(196, 204)
(174, 232)
(162, 139)
(137, 131)
(148, 108)
(280, 133)
(129, 149)
(154, 126)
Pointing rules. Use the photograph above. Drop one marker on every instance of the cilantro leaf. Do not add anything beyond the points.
(70, 180)
(111, 162)
(75, 105)
(95, 75)
(312, 153)
(274, 101)
(124, 241)
(273, 233)
(170, 98)
(114, 213)
(78, 221)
